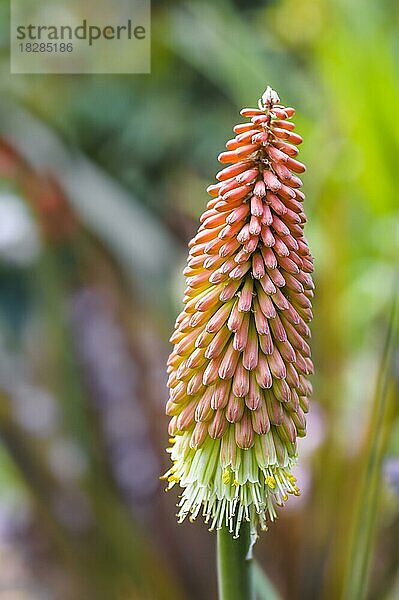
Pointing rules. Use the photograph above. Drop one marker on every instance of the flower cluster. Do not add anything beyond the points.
(238, 373)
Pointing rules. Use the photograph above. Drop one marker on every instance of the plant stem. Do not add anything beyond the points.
(235, 570)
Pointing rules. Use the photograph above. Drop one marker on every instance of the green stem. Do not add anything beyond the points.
(235, 570)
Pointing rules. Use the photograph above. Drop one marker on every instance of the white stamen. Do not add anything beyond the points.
(249, 495)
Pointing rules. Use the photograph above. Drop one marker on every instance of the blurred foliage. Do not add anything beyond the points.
(103, 179)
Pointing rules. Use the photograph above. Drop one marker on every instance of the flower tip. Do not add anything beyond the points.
(269, 97)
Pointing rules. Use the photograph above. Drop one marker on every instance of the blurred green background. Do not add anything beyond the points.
(102, 182)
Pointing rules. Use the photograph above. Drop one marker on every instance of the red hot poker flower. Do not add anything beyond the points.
(238, 373)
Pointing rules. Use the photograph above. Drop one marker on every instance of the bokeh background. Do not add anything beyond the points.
(102, 182)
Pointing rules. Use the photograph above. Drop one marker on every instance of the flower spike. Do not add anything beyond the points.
(238, 373)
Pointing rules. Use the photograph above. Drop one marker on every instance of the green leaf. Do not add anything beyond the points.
(366, 507)
(264, 588)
